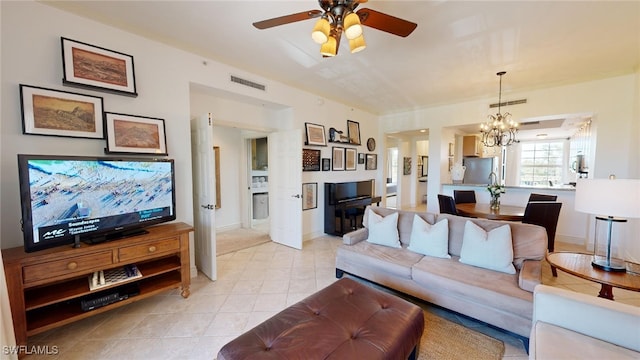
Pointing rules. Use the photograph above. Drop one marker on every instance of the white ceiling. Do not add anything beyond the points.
(452, 56)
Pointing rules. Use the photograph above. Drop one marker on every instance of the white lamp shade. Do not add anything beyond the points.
(321, 30)
(329, 48)
(352, 27)
(357, 44)
(608, 197)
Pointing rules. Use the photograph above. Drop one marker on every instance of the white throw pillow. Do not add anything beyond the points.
(384, 230)
(490, 250)
(431, 240)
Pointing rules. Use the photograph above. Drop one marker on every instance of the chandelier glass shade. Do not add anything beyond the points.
(328, 30)
(500, 129)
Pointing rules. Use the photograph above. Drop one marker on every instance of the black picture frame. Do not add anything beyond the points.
(371, 162)
(309, 196)
(353, 132)
(134, 134)
(52, 112)
(326, 164)
(350, 159)
(93, 67)
(360, 158)
(337, 158)
(310, 160)
(315, 134)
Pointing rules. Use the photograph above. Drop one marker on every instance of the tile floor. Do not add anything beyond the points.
(253, 285)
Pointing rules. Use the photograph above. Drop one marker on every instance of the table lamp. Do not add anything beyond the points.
(611, 200)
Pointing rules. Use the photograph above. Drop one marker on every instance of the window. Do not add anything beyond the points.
(541, 163)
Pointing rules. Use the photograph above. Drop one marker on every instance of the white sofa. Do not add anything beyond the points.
(570, 325)
(500, 299)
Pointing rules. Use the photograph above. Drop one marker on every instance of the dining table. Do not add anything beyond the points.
(483, 210)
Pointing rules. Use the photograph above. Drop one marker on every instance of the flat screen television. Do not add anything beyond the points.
(68, 199)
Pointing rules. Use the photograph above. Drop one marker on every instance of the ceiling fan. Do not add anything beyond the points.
(339, 16)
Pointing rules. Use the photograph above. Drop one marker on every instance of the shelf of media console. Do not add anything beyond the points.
(113, 277)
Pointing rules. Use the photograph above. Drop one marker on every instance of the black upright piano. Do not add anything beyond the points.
(344, 205)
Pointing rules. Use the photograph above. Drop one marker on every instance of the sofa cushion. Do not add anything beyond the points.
(427, 239)
(486, 287)
(384, 230)
(554, 342)
(529, 241)
(405, 220)
(488, 249)
(391, 261)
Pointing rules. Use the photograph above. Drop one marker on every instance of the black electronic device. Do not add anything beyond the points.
(67, 199)
(106, 297)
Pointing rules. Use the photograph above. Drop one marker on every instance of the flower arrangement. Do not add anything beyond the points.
(495, 190)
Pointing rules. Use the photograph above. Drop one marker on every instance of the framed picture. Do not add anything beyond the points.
(353, 132)
(60, 113)
(315, 134)
(337, 154)
(326, 164)
(309, 196)
(450, 149)
(406, 168)
(350, 159)
(310, 160)
(371, 162)
(361, 158)
(425, 166)
(132, 134)
(90, 66)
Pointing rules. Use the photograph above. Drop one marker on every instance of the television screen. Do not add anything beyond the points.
(92, 199)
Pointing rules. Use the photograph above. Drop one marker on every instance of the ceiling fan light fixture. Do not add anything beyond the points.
(329, 48)
(321, 31)
(358, 44)
(352, 26)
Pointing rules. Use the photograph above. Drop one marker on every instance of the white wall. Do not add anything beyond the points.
(165, 78)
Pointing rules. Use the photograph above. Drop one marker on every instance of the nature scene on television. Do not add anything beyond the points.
(88, 196)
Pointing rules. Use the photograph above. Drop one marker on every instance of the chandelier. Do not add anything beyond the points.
(499, 130)
(336, 20)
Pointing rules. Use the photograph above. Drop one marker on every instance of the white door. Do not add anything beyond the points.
(285, 187)
(204, 188)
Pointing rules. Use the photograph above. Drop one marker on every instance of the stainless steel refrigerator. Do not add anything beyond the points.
(478, 169)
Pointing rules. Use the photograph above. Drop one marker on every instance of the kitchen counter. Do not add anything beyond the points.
(535, 188)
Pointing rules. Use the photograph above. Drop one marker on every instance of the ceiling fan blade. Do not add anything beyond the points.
(287, 19)
(387, 23)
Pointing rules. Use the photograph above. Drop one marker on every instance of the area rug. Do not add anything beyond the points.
(443, 339)
(235, 240)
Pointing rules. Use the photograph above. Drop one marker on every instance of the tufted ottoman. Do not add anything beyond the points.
(345, 320)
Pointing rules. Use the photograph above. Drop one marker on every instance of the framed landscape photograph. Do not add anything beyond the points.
(133, 134)
(90, 66)
(315, 134)
(353, 131)
(337, 154)
(350, 159)
(60, 113)
(371, 162)
(309, 196)
(310, 160)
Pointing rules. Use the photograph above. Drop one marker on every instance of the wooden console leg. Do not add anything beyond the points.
(606, 291)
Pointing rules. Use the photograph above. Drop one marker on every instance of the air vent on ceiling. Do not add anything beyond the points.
(248, 83)
(528, 123)
(507, 103)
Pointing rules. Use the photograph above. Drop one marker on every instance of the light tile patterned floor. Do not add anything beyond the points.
(253, 285)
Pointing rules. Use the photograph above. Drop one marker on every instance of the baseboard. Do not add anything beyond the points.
(229, 227)
(313, 235)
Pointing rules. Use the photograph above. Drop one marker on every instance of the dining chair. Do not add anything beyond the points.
(464, 196)
(545, 214)
(542, 197)
(447, 205)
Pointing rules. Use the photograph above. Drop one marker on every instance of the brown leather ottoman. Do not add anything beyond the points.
(345, 320)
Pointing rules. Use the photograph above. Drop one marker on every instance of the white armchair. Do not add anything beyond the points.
(570, 325)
